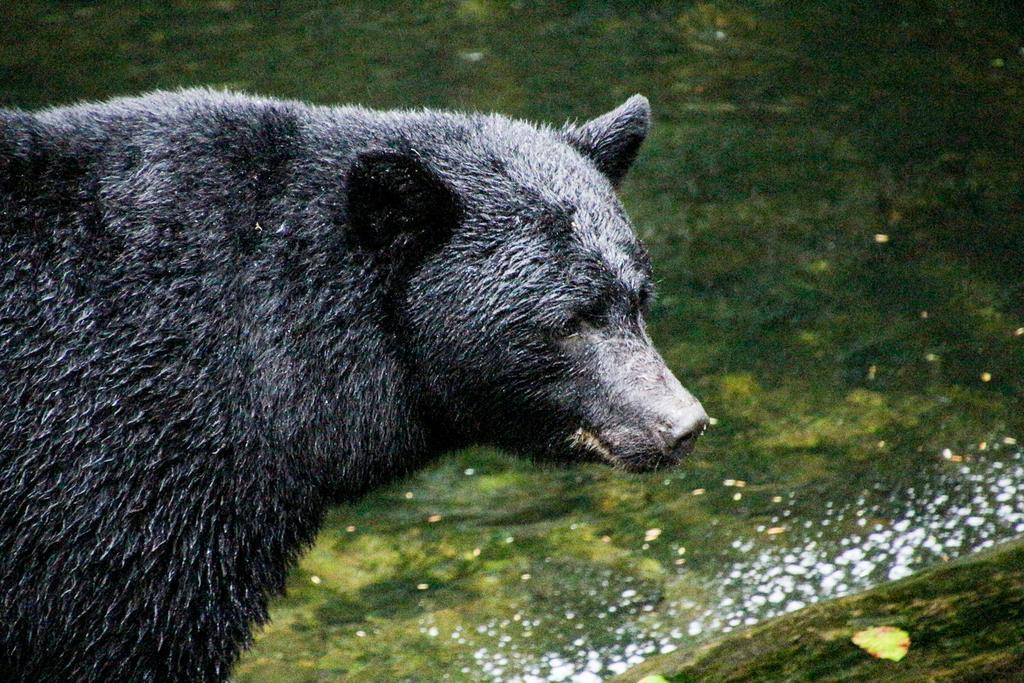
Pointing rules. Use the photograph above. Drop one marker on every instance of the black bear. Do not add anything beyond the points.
(220, 313)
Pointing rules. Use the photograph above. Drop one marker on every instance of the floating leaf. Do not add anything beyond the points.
(884, 642)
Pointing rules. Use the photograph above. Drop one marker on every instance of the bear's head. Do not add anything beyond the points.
(516, 288)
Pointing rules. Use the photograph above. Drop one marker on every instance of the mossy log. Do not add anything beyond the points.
(965, 620)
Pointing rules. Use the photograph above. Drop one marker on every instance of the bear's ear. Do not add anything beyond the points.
(392, 194)
(612, 140)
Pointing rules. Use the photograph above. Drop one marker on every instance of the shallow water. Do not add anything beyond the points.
(832, 195)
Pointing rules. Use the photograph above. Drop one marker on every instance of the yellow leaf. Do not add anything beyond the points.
(884, 642)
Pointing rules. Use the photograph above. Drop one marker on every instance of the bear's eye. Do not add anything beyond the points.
(584, 318)
(593, 314)
(644, 298)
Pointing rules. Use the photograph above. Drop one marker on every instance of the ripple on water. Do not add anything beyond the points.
(938, 521)
(953, 514)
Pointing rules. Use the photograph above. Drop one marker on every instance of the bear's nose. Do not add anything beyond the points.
(680, 431)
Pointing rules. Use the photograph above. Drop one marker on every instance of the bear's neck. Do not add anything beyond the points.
(337, 397)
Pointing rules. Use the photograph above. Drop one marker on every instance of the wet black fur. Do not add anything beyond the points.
(219, 314)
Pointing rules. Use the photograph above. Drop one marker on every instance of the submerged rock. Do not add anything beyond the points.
(965, 620)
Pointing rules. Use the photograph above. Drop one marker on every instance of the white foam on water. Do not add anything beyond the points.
(885, 538)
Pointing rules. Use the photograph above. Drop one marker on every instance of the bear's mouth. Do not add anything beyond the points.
(600, 449)
(591, 442)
